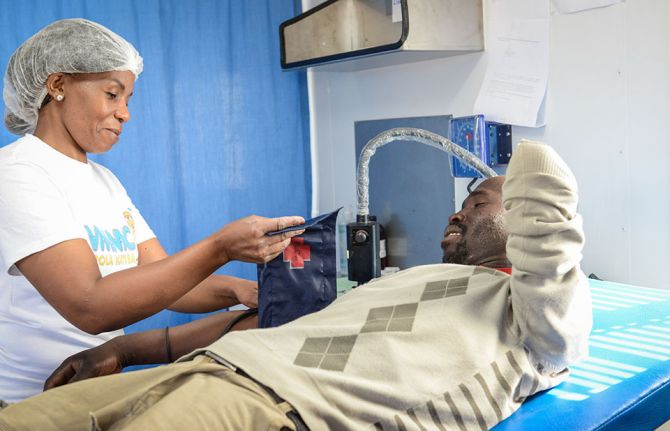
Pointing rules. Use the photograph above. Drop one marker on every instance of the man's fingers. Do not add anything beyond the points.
(59, 377)
(53, 381)
(82, 374)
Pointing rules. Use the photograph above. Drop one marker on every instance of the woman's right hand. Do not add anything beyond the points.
(246, 240)
(102, 360)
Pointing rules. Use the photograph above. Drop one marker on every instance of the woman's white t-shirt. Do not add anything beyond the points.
(47, 198)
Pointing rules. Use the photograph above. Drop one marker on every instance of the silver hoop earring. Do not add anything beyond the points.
(59, 97)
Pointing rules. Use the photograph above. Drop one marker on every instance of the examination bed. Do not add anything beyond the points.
(624, 384)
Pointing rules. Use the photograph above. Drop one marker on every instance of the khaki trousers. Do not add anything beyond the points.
(195, 395)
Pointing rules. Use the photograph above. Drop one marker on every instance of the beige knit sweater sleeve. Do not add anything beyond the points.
(551, 304)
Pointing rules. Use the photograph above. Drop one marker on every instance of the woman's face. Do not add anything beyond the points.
(95, 108)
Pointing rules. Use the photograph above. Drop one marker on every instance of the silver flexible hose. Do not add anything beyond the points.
(409, 134)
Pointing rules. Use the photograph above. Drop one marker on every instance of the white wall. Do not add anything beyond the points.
(607, 116)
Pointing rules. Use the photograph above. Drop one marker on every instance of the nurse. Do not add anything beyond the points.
(79, 262)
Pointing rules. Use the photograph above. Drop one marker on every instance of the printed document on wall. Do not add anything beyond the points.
(516, 77)
(571, 6)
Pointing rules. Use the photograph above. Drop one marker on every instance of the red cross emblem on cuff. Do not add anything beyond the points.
(297, 253)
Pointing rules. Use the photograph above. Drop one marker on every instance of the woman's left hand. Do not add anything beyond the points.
(246, 292)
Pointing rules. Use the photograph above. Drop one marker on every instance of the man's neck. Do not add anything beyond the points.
(495, 262)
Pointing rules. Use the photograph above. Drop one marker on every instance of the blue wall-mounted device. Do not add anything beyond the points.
(491, 142)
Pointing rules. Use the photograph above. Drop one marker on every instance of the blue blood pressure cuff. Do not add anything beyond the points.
(302, 279)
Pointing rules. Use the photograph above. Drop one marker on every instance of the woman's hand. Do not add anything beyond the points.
(246, 240)
(99, 361)
(246, 292)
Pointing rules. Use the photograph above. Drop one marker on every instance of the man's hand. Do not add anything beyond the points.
(246, 292)
(145, 347)
(98, 361)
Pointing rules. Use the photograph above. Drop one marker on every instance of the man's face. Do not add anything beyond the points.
(476, 235)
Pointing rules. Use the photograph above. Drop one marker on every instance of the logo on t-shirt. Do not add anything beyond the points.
(115, 246)
(129, 221)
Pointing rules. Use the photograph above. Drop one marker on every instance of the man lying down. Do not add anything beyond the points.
(435, 347)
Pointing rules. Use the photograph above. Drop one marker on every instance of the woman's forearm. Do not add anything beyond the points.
(217, 292)
(68, 277)
(128, 296)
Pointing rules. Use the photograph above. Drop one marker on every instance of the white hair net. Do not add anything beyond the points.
(68, 46)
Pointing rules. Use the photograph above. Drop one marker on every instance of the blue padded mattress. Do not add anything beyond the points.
(624, 384)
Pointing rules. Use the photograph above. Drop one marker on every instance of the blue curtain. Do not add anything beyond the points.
(217, 132)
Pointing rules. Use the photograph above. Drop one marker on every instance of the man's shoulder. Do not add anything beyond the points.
(442, 271)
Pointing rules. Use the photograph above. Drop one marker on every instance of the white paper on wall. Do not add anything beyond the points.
(516, 77)
(396, 11)
(572, 6)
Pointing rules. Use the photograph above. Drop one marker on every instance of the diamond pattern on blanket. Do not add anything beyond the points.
(396, 318)
(445, 288)
(327, 353)
(332, 353)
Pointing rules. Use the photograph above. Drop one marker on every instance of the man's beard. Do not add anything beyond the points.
(460, 255)
(488, 236)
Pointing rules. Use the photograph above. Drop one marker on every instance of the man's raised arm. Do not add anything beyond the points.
(550, 296)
